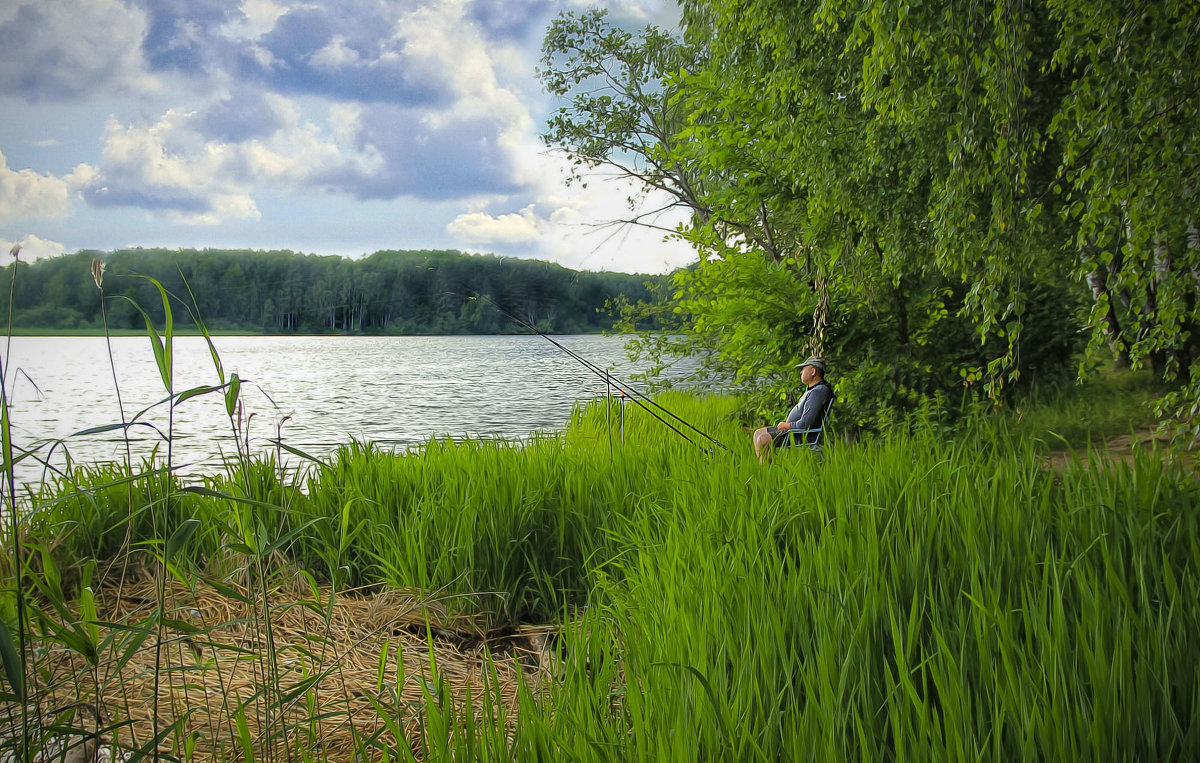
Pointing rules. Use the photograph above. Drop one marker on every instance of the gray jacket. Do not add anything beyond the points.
(810, 410)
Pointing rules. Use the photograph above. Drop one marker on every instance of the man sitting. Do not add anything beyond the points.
(808, 414)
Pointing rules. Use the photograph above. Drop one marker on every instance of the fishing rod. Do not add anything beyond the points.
(607, 376)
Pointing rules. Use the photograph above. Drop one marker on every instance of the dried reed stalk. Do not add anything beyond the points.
(206, 674)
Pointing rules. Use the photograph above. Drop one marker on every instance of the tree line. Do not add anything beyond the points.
(388, 292)
(946, 198)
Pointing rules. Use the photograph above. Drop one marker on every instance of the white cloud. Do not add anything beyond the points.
(171, 170)
(168, 170)
(263, 57)
(25, 194)
(513, 228)
(262, 14)
(335, 55)
(70, 49)
(575, 227)
(32, 248)
(389, 100)
(188, 35)
(442, 39)
(297, 156)
(345, 120)
(258, 17)
(582, 235)
(565, 215)
(564, 224)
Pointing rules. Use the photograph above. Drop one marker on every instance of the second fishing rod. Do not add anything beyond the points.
(637, 396)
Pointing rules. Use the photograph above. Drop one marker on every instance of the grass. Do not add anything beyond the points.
(944, 595)
(915, 598)
(1110, 403)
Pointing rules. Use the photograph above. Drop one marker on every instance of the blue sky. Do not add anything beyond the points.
(322, 126)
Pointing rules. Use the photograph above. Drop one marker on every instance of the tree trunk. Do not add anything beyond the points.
(1166, 358)
(820, 316)
(1109, 320)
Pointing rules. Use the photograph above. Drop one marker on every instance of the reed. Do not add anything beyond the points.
(935, 595)
(912, 599)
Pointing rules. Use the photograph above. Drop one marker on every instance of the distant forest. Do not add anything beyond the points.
(281, 292)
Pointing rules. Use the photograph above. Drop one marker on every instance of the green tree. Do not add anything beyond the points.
(917, 170)
(280, 291)
(1031, 141)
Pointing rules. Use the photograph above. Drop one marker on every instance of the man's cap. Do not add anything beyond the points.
(815, 362)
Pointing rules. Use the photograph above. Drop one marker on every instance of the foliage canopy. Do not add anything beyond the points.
(935, 195)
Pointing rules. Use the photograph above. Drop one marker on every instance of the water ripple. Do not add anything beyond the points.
(318, 392)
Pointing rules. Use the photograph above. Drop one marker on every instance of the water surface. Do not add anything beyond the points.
(317, 392)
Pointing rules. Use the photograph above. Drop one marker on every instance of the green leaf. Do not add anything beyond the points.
(210, 493)
(162, 350)
(51, 576)
(296, 451)
(194, 392)
(229, 591)
(90, 616)
(180, 537)
(286, 538)
(71, 637)
(243, 734)
(150, 748)
(13, 668)
(295, 691)
(182, 626)
(232, 392)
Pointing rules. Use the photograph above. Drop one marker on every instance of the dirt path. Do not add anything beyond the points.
(1120, 448)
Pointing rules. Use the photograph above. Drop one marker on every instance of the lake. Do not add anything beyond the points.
(318, 392)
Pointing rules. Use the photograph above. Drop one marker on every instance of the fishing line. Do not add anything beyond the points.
(606, 375)
(603, 373)
(608, 412)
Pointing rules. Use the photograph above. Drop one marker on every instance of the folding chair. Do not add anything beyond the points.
(799, 438)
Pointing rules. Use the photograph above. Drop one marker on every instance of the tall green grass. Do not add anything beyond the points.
(907, 600)
(94, 527)
(939, 596)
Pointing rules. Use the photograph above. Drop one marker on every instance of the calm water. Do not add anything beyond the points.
(322, 391)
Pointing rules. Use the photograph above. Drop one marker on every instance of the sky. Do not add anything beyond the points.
(320, 126)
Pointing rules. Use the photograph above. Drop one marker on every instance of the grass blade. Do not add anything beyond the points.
(12, 663)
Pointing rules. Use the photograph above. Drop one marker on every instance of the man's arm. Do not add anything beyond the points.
(811, 407)
(793, 415)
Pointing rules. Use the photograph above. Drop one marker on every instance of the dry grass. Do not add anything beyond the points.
(206, 675)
